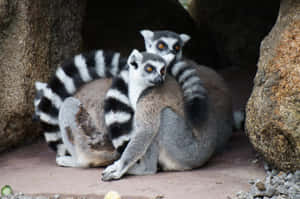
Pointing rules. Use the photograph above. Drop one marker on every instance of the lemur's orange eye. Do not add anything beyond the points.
(149, 69)
(161, 46)
(176, 47)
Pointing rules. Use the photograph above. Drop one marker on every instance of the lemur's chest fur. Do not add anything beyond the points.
(145, 70)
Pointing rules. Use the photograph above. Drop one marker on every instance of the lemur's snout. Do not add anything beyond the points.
(158, 80)
(173, 52)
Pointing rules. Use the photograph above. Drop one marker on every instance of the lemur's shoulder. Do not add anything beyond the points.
(170, 95)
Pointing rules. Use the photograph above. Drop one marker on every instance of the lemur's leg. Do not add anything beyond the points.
(67, 120)
(148, 163)
(89, 147)
(134, 151)
(175, 146)
(78, 133)
(179, 148)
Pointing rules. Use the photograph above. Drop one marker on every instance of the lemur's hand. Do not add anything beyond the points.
(114, 171)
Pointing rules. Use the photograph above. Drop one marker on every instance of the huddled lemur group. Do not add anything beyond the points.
(153, 110)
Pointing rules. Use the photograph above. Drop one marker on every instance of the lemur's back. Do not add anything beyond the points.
(91, 96)
(215, 130)
(170, 95)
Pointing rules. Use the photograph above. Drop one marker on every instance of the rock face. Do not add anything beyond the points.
(34, 37)
(273, 110)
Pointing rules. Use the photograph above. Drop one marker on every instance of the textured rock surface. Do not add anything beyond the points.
(273, 110)
(276, 185)
(34, 37)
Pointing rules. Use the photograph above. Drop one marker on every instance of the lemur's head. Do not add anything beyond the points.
(164, 42)
(147, 68)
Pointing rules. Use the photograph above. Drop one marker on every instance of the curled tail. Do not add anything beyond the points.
(194, 93)
(119, 112)
(68, 78)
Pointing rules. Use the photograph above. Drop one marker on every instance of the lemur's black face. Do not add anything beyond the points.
(154, 72)
(148, 68)
(164, 42)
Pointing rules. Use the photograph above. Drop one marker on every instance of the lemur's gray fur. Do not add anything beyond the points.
(164, 130)
(143, 71)
(164, 134)
(70, 77)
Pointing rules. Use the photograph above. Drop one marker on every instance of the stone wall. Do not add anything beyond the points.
(34, 37)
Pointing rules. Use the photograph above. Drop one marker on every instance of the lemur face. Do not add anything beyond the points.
(165, 42)
(148, 68)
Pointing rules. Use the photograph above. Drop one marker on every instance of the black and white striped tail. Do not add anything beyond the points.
(194, 93)
(118, 112)
(67, 79)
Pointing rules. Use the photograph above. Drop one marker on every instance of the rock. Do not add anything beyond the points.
(260, 186)
(34, 37)
(273, 110)
(272, 187)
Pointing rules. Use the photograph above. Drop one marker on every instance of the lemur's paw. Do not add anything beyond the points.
(113, 172)
(65, 161)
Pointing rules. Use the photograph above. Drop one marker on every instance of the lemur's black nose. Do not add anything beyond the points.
(173, 52)
(158, 80)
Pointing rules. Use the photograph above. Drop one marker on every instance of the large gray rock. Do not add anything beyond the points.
(273, 110)
(34, 37)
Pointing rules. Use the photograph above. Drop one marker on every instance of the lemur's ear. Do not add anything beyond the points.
(135, 58)
(147, 34)
(185, 38)
(168, 58)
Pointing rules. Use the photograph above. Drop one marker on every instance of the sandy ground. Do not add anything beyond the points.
(32, 169)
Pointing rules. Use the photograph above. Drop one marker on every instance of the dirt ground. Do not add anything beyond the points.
(32, 169)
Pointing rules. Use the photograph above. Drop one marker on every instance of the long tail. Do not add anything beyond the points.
(67, 79)
(194, 93)
(119, 112)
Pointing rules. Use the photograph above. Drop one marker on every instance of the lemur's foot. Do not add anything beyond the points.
(65, 161)
(114, 171)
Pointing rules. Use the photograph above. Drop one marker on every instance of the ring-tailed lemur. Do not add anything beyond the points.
(184, 71)
(165, 137)
(143, 71)
(163, 133)
(84, 68)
